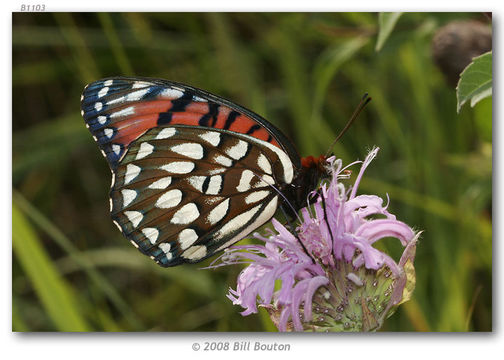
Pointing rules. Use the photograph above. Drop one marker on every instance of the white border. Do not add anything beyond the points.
(144, 346)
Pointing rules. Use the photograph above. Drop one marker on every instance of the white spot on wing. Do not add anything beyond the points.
(128, 196)
(192, 150)
(264, 216)
(178, 167)
(216, 171)
(116, 149)
(223, 160)
(130, 110)
(245, 179)
(138, 85)
(108, 82)
(186, 238)
(198, 98)
(218, 212)
(210, 200)
(103, 91)
(102, 119)
(166, 247)
(98, 106)
(166, 133)
(151, 234)
(132, 172)
(160, 184)
(186, 214)
(117, 224)
(256, 196)
(132, 96)
(237, 151)
(286, 162)
(266, 181)
(214, 185)
(169, 199)
(195, 252)
(108, 132)
(197, 182)
(237, 222)
(212, 137)
(264, 164)
(144, 150)
(171, 93)
(134, 216)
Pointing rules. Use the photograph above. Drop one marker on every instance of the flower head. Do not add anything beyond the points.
(328, 277)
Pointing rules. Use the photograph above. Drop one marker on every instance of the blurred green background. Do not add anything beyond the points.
(73, 271)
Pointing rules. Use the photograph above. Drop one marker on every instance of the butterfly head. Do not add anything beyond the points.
(312, 170)
(313, 163)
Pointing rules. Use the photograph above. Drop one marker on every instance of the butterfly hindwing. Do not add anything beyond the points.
(181, 193)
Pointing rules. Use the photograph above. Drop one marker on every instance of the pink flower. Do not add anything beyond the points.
(336, 280)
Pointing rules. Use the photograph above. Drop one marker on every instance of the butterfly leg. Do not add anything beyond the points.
(327, 221)
(293, 229)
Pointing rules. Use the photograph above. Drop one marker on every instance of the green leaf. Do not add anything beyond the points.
(475, 82)
(386, 23)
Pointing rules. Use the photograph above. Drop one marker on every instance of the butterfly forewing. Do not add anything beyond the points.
(181, 193)
(119, 110)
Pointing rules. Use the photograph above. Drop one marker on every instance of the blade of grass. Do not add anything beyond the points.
(325, 70)
(83, 263)
(87, 69)
(236, 63)
(327, 67)
(296, 83)
(386, 23)
(18, 323)
(416, 316)
(115, 44)
(55, 293)
(194, 280)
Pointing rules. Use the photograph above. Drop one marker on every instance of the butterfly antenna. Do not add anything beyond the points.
(362, 104)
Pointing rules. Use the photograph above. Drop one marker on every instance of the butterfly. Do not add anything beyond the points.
(192, 172)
